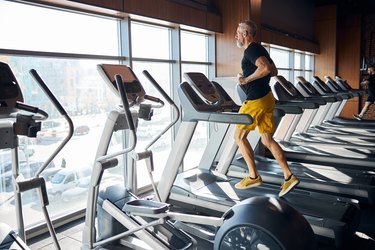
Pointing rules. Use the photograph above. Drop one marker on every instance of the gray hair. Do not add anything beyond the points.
(249, 26)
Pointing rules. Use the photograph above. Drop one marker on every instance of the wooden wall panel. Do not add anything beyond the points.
(167, 11)
(159, 9)
(348, 58)
(228, 55)
(349, 50)
(278, 38)
(326, 33)
(214, 22)
(113, 4)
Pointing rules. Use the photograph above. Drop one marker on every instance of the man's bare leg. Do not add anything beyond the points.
(240, 136)
(365, 108)
(277, 152)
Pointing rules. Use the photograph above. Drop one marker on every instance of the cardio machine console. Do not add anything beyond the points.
(307, 85)
(287, 86)
(133, 87)
(204, 88)
(10, 91)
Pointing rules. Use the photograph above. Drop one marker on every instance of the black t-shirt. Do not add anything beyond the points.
(259, 87)
(371, 85)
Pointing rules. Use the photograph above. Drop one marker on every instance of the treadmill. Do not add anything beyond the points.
(338, 88)
(337, 133)
(341, 85)
(352, 183)
(342, 156)
(309, 120)
(204, 190)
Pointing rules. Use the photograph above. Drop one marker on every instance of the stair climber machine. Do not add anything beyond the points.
(154, 224)
(20, 119)
(207, 188)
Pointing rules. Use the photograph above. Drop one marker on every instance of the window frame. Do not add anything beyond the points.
(125, 57)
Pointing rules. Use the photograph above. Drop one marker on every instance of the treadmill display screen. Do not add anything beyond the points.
(203, 86)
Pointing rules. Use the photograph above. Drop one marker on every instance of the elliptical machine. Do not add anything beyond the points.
(18, 118)
(137, 223)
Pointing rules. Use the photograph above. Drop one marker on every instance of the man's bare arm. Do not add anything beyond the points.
(263, 69)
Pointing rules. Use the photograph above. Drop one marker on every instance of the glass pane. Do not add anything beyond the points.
(296, 74)
(87, 99)
(199, 141)
(194, 68)
(285, 74)
(143, 47)
(297, 60)
(25, 27)
(308, 62)
(193, 47)
(161, 118)
(197, 146)
(280, 58)
(308, 75)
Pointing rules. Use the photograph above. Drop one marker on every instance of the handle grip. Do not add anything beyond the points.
(47, 91)
(158, 87)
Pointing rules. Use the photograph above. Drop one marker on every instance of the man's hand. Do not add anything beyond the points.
(241, 79)
(364, 83)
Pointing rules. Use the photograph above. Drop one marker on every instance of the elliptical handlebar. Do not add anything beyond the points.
(156, 100)
(157, 86)
(48, 92)
(169, 100)
(31, 109)
(61, 110)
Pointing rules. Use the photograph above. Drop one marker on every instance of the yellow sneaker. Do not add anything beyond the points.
(288, 185)
(248, 182)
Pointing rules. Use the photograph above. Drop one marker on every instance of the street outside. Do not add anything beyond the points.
(78, 153)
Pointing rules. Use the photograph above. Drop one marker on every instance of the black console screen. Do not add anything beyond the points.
(8, 83)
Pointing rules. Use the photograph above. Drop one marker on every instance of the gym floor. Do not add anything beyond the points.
(70, 236)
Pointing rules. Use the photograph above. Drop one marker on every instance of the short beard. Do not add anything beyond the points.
(239, 44)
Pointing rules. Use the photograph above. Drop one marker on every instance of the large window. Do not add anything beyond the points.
(65, 48)
(292, 63)
(25, 27)
(195, 58)
(150, 41)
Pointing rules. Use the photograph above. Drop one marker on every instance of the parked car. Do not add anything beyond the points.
(52, 131)
(29, 169)
(6, 165)
(48, 173)
(81, 130)
(81, 190)
(66, 178)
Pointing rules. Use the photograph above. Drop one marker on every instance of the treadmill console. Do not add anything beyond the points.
(343, 82)
(133, 87)
(287, 86)
(10, 91)
(322, 84)
(333, 84)
(204, 88)
(307, 85)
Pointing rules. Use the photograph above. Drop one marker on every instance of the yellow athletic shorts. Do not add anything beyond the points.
(262, 112)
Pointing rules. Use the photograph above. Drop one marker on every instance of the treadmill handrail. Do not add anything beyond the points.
(194, 109)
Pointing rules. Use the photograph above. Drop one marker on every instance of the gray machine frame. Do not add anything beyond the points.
(205, 190)
(25, 120)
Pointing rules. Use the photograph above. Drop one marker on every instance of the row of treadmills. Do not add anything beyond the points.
(333, 157)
